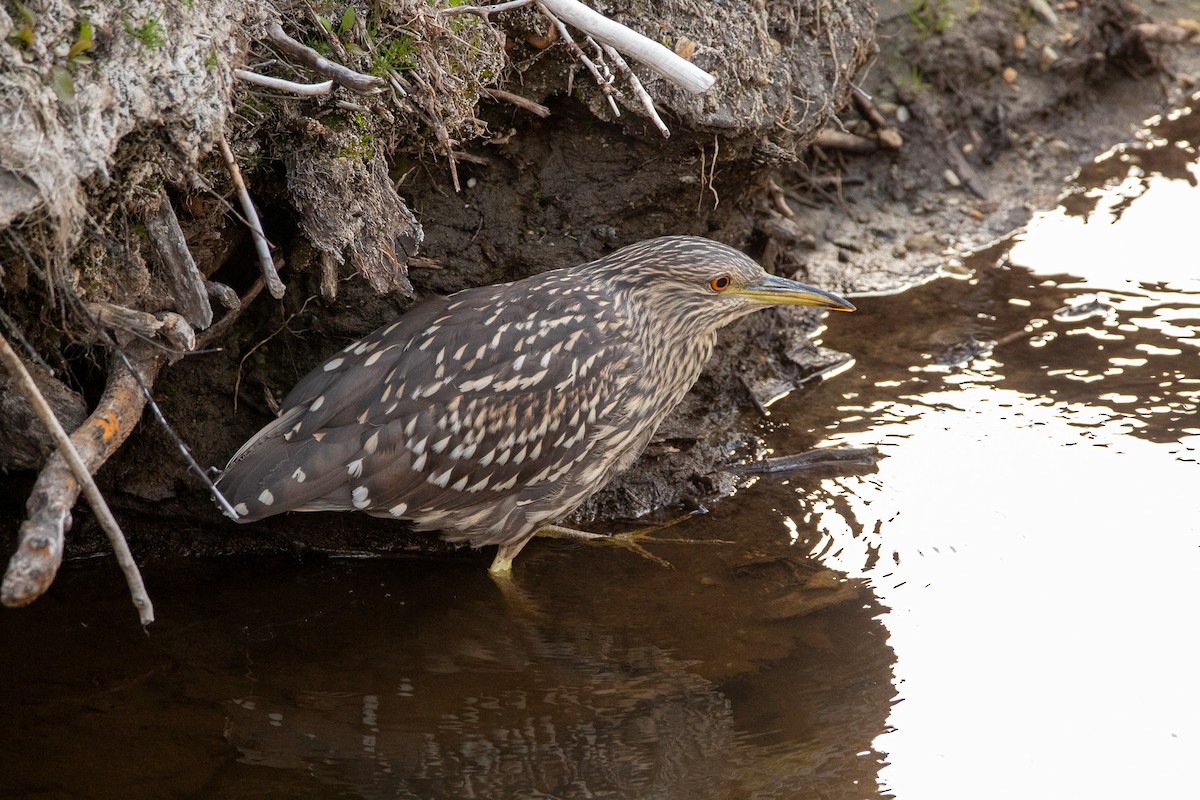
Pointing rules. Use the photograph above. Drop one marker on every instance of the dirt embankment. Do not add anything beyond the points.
(433, 180)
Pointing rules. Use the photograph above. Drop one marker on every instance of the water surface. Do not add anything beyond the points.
(1005, 608)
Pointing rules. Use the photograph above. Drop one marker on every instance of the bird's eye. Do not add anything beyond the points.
(720, 284)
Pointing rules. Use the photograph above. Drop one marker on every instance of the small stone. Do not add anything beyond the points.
(1048, 57)
(1045, 14)
(976, 214)
(825, 579)
(1019, 43)
(471, 183)
(1009, 74)
(968, 148)
(903, 115)
(1058, 148)
(951, 178)
(922, 243)
(890, 138)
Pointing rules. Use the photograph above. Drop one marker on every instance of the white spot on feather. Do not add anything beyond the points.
(439, 478)
(354, 468)
(330, 366)
(398, 509)
(241, 509)
(266, 498)
(299, 475)
(316, 404)
(371, 443)
(361, 497)
(419, 464)
(460, 484)
(374, 357)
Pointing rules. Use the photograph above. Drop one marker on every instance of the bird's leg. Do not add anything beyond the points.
(501, 567)
(630, 540)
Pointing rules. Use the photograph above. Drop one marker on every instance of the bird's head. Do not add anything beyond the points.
(697, 285)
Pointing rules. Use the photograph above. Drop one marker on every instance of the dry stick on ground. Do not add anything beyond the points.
(33, 566)
(274, 284)
(342, 76)
(279, 84)
(518, 101)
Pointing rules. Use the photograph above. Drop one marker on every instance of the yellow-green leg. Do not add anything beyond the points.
(630, 540)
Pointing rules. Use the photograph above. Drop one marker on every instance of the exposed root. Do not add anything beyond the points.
(183, 277)
(279, 84)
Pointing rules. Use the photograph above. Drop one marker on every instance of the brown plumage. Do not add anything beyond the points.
(497, 410)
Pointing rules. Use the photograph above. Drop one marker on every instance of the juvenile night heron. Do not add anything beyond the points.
(493, 412)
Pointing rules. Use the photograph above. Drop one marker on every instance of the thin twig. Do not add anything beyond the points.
(484, 11)
(274, 284)
(341, 75)
(179, 443)
(638, 90)
(279, 84)
(518, 101)
(133, 577)
(605, 85)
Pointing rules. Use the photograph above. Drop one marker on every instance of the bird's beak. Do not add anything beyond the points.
(773, 290)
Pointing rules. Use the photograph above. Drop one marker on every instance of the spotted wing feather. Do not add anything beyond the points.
(472, 414)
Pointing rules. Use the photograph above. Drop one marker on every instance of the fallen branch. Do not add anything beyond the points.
(342, 76)
(34, 565)
(682, 73)
(270, 274)
(281, 85)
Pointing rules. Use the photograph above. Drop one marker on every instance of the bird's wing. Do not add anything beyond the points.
(459, 406)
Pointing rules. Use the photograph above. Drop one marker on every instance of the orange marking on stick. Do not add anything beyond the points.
(110, 426)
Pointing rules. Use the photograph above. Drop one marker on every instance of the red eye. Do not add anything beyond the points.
(719, 284)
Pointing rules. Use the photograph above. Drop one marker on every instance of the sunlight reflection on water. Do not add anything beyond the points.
(1034, 526)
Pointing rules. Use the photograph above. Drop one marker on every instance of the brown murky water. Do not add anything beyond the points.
(1005, 608)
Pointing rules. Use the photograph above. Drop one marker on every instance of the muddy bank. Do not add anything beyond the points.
(359, 195)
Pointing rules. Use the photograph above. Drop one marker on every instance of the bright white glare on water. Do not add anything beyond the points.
(1039, 557)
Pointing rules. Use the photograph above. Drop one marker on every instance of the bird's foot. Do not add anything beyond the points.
(630, 540)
